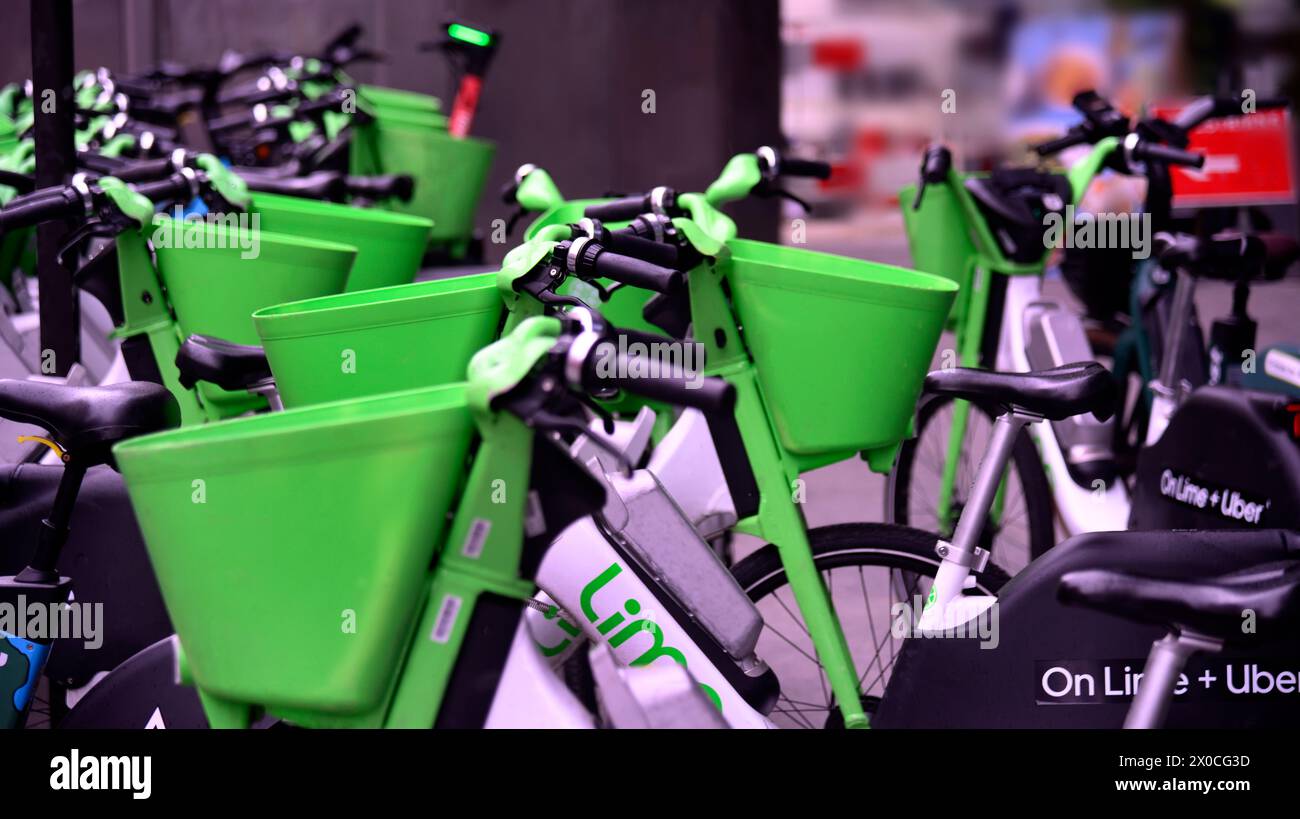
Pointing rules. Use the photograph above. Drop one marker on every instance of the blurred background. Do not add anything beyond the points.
(564, 91)
(862, 83)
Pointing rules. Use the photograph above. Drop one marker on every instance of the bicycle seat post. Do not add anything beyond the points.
(964, 554)
(1184, 289)
(1166, 388)
(43, 567)
(1165, 662)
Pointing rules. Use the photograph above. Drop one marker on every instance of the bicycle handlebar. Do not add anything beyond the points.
(1053, 146)
(1205, 108)
(1154, 151)
(620, 210)
(707, 394)
(635, 272)
(172, 187)
(626, 243)
(40, 206)
(810, 168)
(138, 170)
(935, 165)
(588, 258)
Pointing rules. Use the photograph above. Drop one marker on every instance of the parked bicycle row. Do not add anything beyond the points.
(305, 488)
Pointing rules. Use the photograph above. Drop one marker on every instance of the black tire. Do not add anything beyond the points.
(902, 558)
(579, 679)
(1026, 528)
(41, 713)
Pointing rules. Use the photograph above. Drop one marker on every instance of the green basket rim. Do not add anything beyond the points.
(880, 284)
(383, 91)
(328, 308)
(912, 280)
(318, 418)
(280, 239)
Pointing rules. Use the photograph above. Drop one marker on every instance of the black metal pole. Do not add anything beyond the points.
(56, 156)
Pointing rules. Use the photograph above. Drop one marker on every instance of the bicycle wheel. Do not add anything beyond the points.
(867, 567)
(1025, 528)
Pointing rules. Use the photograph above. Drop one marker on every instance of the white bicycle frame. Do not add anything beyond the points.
(1102, 508)
(600, 597)
(1098, 508)
(530, 695)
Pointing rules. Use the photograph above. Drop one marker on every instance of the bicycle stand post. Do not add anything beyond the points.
(56, 161)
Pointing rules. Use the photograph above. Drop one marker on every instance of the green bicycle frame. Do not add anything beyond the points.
(779, 519)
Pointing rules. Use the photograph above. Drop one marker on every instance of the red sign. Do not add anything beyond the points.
(1248, 161)
(839, 54)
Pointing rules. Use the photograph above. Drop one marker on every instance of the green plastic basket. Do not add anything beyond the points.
(937, 234)
(214, 291)
(389, 245)
(625, 305)
(841, 345)
(449, 173)
(268, 534)
(376, 341)
(383, 99)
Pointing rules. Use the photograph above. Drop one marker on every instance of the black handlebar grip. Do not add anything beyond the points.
(647, 250)
(39, 206)
(635, 272)
(1195, 112)
(165, 190)
(676, 387)
(1145, 151)
(619, 210)
(1053, 146)
(144, 170)
(813, 168)
(389, 186)
(1271, 103)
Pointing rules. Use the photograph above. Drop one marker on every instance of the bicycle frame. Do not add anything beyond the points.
(588, 579)
(778, 518)
(978, 321)
(589, 582)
